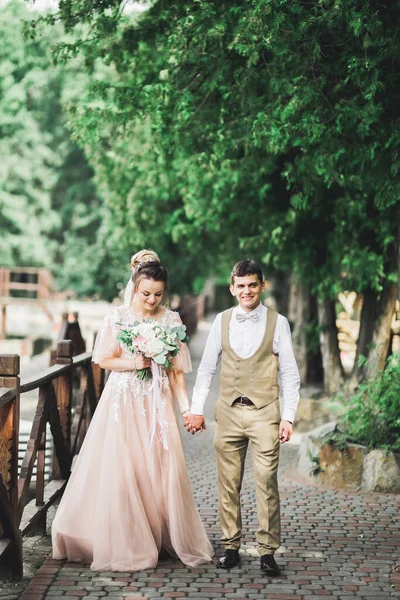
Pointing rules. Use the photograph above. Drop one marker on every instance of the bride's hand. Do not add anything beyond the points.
(186, 419)
(195, 423)
(141, 362)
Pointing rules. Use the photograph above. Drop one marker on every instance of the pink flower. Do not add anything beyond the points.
(141, 343)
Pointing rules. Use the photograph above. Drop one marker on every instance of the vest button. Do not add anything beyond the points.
(251, 388)
(251, 378)
(252, 362)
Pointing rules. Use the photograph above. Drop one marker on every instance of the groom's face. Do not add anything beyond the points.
(247, 290)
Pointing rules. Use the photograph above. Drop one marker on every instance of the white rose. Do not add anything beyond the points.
(154, 347)
(146, 330)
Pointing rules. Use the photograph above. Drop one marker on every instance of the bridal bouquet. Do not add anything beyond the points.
(155, 341)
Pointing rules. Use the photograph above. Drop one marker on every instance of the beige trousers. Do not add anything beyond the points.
(235, 426)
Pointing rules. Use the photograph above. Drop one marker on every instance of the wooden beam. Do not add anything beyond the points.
(63, 391)
(32, 513)
(9, 427)
(11, 536)
(60, 446)
(38, 426)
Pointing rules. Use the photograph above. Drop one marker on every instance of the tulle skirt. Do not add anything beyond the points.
(128, 497)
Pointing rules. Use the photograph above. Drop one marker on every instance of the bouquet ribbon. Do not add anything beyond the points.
(158, 412)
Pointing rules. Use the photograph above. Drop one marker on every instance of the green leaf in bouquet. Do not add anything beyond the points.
(170, 348)
(160, 358)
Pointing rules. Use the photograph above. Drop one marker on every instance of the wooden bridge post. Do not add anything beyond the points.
(9, 434)
(3, 328)
(98, 375)
(63, 389)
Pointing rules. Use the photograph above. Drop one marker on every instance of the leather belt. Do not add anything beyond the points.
(243, 400)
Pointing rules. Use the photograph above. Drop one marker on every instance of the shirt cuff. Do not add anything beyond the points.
(288, 414)
(197, 407)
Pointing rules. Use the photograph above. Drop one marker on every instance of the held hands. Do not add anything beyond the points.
(194, 423)
(285, 431)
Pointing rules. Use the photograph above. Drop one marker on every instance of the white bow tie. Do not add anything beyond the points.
(252, 316)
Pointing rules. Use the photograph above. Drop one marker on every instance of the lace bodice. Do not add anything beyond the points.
(124, 386)
(107, 345)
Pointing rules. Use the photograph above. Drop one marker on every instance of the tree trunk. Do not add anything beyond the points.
(281, 291)
(302, 308)
(315, 369)
(299, 315)
(367, 317)
(382, 329)
(333, 371)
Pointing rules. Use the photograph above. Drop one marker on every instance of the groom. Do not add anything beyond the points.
(254, 342)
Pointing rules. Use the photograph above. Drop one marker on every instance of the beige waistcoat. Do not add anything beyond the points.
(255, 377)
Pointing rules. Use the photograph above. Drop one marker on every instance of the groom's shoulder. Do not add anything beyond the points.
(281, 320)
(224, 312)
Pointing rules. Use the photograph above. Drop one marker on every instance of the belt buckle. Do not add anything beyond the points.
(241, 400)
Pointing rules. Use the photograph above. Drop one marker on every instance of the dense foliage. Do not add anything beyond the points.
(260, 126)
(215, 130)
(372, 416)
(50, 212)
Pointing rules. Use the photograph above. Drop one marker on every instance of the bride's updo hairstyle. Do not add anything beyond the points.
(146, 265)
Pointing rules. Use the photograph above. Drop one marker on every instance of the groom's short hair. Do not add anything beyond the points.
(247, 267)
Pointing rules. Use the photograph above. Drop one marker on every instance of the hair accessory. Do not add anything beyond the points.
(144, 261)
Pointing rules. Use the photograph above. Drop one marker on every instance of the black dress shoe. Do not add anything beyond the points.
(269, 566)
(230, 559)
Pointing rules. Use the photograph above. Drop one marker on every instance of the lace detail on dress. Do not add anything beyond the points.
(124, 385)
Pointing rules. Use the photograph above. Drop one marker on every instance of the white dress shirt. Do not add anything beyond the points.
(245, 338)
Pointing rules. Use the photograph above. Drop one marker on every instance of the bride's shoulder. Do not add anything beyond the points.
(171, 316)
(115, 313)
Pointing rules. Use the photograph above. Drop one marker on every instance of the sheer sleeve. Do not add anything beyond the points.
(106, 345)
(182, 361)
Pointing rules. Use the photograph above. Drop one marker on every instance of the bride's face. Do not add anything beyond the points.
(149, 295)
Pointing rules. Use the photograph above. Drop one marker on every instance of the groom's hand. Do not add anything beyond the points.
(285, 431)
(195, 423)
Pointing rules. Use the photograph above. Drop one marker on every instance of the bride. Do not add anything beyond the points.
(129, 494)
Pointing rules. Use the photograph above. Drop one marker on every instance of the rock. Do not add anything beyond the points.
(308, 458)
(381, 472)
(341, 468)
(352, 467)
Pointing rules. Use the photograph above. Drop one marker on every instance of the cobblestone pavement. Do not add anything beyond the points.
(335, 544)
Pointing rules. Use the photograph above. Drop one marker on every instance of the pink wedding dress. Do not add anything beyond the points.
(129, 493)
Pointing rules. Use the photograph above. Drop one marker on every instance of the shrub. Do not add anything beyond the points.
(372, 417)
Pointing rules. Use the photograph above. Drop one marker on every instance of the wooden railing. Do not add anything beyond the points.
(68, 418)
(25, 279)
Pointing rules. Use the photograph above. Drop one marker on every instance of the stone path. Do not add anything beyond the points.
(336, 544)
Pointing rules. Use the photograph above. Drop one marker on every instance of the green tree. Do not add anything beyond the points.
(272, 128)
(50, 211)
(29, 162)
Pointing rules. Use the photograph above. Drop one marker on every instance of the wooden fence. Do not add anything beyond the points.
(28, 281)
(68, 417)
